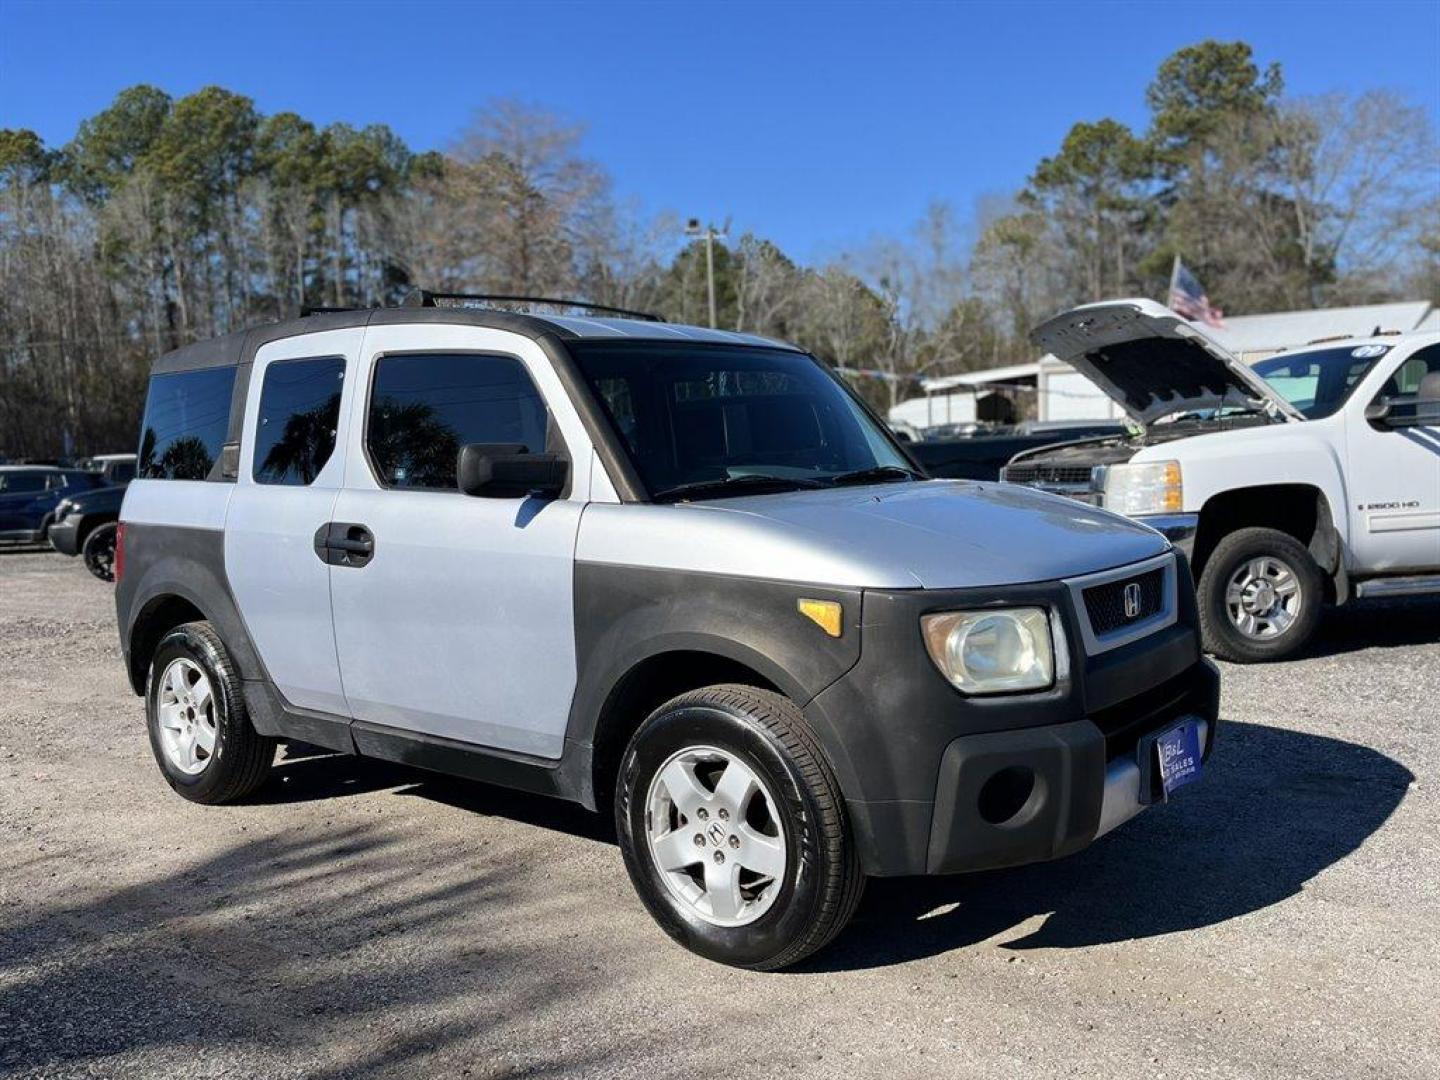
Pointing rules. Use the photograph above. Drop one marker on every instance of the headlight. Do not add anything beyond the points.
(1151, 487)
(62, 508)
(991, 652)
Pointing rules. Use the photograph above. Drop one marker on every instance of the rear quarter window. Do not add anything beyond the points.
(187, 415)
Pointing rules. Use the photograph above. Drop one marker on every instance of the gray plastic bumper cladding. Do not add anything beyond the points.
(64, 535)
(937, 782)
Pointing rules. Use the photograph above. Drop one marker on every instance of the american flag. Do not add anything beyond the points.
(1187, 297)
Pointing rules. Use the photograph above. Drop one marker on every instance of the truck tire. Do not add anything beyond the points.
(200, 731)
(733, 828)
(1260, 596)
(98, 551)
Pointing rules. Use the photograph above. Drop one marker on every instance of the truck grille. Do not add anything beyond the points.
(1072, 481)
(1105, 604)
(1046, 474)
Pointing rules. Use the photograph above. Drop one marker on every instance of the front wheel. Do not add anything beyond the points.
(1260, 596)
(733, 828)
(98, 551)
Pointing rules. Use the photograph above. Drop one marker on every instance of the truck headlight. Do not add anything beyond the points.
(992, 651)
(1149, 487)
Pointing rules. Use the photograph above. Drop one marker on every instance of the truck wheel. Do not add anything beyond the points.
(733, 828)
(98, 551)
(200, 731)
(1260, 596)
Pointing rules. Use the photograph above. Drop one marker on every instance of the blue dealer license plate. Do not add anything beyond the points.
(1178, 751)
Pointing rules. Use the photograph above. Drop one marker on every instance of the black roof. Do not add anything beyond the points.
(241, 346)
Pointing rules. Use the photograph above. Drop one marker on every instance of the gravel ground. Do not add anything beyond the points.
(1280, 919)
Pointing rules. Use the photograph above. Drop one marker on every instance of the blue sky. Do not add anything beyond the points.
(819, 125)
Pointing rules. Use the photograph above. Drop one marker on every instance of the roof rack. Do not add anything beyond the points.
(425, 298)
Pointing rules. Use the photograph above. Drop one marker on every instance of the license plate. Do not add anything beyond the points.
(1178, 751)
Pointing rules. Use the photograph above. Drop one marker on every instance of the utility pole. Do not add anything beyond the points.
(711, 234)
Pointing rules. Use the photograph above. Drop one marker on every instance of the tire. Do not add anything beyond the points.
(98, 551)
(794, 800)
(238, 759)
(1273, 636)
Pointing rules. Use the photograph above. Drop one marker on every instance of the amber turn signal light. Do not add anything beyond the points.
(826, 614)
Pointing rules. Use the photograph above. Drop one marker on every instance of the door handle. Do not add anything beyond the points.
(343, 543)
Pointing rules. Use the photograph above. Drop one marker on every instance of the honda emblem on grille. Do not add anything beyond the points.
(1132, 600)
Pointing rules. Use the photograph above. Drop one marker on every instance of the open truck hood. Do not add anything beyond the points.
(1153, 363)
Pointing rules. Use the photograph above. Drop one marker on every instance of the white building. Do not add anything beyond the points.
(1062, 393)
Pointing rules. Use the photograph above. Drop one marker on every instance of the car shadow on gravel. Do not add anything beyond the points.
(309, 774)
(1376, 624)
(336, 953)
(541, 811)
(1275, 809)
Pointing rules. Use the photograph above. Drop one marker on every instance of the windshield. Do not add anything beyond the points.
(704, 421)
(1317, 383)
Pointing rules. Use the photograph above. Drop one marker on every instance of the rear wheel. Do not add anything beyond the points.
(1260, 596)
(98, 551)
(733, 828)
(200, 732)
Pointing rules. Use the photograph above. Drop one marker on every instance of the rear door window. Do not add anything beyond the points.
(297, 420)
(187, 414)
(425, 407)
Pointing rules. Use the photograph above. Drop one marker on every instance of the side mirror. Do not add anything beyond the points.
(510, 471)
(1416, 412)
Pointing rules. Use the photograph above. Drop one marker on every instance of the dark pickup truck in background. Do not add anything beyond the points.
(86, 524)
(981, 457)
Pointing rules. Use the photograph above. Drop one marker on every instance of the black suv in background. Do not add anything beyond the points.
(85, 525)
(29, 495)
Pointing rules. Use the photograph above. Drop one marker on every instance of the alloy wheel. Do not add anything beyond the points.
(186, 708)
(1263, 597)
(715, 835)
(100, 557)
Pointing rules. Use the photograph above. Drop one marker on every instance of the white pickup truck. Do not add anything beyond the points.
(1310, 477)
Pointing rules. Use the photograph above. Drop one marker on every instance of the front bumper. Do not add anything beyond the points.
(937, 782)
(65, 535)
(1074, 790)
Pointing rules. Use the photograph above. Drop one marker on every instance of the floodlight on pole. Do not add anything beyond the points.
(711, 234)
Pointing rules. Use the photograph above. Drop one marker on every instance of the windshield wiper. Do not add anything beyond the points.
(749, 484)
(875, 474)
